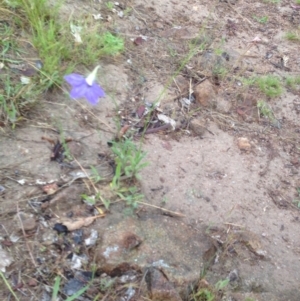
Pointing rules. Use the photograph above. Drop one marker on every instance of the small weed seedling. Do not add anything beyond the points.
(109, 5)
(261, 20)
(130, 196)
(56, 288)
(128, 160)
(203, 295)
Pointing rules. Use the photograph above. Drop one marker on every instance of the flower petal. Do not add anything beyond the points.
(74, 79)
(79, 91)
(98, 90)
(93, 93)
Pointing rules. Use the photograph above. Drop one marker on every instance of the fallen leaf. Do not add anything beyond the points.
(100, 210)
(79, 223)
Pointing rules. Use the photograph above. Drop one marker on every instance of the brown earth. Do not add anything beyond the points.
(227, 177)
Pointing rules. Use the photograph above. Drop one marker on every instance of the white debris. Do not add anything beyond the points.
(91, 240)
(167, 120)
(6, 260)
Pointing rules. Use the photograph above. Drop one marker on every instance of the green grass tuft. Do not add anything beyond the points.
(270, 85)
(293, 36)
(261, 20)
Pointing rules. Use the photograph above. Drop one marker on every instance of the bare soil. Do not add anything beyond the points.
(227, 177)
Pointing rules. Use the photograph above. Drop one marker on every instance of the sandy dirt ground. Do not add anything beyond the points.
(227, 177)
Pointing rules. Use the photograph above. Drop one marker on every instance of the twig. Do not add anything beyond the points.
(83, 170)
(234, 225)
(163, 209)
(244, 18)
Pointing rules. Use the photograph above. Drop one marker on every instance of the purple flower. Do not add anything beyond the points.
(85, 87)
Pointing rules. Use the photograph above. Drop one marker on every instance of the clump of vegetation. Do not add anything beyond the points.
(54, 44)
(208, 293)
(96, 45)
(292, 82)
(270, 85)
(128, 160)
(293, 36)
(261, 20)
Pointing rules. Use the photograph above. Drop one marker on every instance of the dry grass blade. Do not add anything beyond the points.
(24, 234)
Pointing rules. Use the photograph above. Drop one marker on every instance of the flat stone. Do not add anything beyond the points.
(28, 221)
(159, 287)
(197, 127)
(244, 144)
(205, 94)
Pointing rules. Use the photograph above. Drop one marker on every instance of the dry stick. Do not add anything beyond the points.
(163, 209)
(83, 170)
(95, 188)
(24, 234)
(234, 225)
(239, 14)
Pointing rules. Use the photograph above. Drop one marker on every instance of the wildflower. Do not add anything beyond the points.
(85, 87)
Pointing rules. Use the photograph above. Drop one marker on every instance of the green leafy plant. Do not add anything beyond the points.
(93, 199)
(130, 196)
(128, 160)
(95, 175)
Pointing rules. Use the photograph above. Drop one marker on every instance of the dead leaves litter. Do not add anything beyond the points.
(73, 225)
